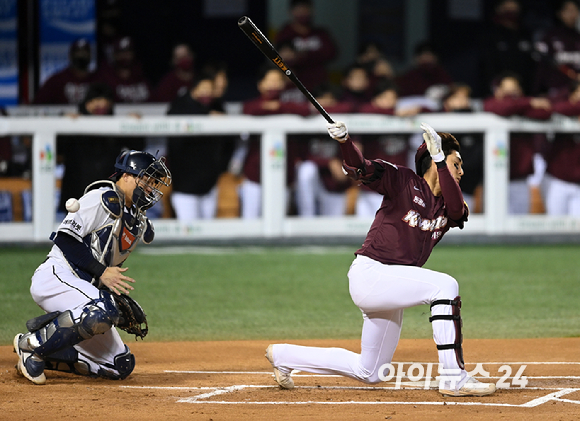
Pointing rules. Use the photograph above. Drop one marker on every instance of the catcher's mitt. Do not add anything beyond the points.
(131, 316)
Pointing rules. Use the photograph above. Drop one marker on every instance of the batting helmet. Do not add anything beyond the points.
(152, 174)
(421, 154)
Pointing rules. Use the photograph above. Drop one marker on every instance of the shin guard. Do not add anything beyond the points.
(457, 322)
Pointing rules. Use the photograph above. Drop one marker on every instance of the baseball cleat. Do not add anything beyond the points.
(472, 387)
(28, 364)
(283, 379)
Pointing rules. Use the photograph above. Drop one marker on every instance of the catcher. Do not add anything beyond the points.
(81, 285)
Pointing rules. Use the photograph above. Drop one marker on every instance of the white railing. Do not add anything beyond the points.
(274, 223)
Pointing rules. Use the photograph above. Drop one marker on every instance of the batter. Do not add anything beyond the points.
(76, 282)
(387, 275)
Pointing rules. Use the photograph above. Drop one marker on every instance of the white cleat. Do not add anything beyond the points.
(472, 387)
(27, 365)
(283, 379)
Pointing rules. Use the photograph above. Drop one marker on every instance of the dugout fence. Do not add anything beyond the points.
(275, 223)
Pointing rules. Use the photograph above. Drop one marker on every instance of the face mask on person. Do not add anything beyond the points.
(204, 99)
(305, 20)
(509, 16)
(81, 63)
(185, 64)
(272, 94)
(124, 63)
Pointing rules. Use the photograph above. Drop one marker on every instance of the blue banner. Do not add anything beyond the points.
(8, 52)
(62, 22)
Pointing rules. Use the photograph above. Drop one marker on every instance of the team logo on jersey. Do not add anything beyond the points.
(127, 239)
(419, 201)
(414, 219)
(73, 224)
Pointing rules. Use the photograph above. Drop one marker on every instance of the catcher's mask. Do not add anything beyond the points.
(152, 174)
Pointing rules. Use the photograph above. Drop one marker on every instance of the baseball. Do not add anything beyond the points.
(72, 205)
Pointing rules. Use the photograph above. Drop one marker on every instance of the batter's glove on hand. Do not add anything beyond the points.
(338, 131)
(433, 141)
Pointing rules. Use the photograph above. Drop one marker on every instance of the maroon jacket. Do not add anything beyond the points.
(411, 220)
(170, 87)
(64, 87)
(369, 108)
(393, 148)
(420, 78)
(563, 156)
(560, 62)
(135, 89)
(523, 146)
(315, 49)
(293, 153)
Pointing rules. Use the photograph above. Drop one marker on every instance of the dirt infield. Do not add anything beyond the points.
(233, 381)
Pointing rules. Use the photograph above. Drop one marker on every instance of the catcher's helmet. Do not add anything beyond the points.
(152, 174)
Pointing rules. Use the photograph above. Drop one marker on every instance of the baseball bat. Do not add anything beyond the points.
(266, 47)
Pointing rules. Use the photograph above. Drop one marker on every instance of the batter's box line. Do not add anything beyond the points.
(294, 374)
(531, 404)
(202, 398)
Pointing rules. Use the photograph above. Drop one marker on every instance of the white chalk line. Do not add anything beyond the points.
(531, 404)
(216, 391)
(269, 373)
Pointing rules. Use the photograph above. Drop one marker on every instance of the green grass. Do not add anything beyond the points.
(282, 293)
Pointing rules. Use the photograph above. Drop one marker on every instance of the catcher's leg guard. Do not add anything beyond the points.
(458, 323)
(67, 360)
(123, 365)
(63, 331)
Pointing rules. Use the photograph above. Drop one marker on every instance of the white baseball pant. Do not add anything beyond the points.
(382, 292)
(56, 288)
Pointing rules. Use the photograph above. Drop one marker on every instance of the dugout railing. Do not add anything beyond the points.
(495, 221)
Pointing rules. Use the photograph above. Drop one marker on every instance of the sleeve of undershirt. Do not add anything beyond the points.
(78, 254)
(456, 209)
(353, 157)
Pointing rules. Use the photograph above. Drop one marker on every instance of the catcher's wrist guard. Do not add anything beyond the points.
(131, 316)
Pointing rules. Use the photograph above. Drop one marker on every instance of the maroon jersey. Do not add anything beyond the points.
(393, 148)
(418, 79)
(321, 151)
(369, 108)
(64, 87)
(134, 89)
(411, 220)
(523, 146)
(315, 49)
(252, 162)
(564, 152)
(561, 62)
(170, 87)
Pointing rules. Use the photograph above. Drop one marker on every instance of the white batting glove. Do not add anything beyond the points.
(433, 141)
(338, 131)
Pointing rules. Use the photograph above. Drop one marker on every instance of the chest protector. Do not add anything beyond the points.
(112, 243)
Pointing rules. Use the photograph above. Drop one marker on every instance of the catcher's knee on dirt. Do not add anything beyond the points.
(455, 317)
(123, 365)
(68, 360)
(55, 331)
